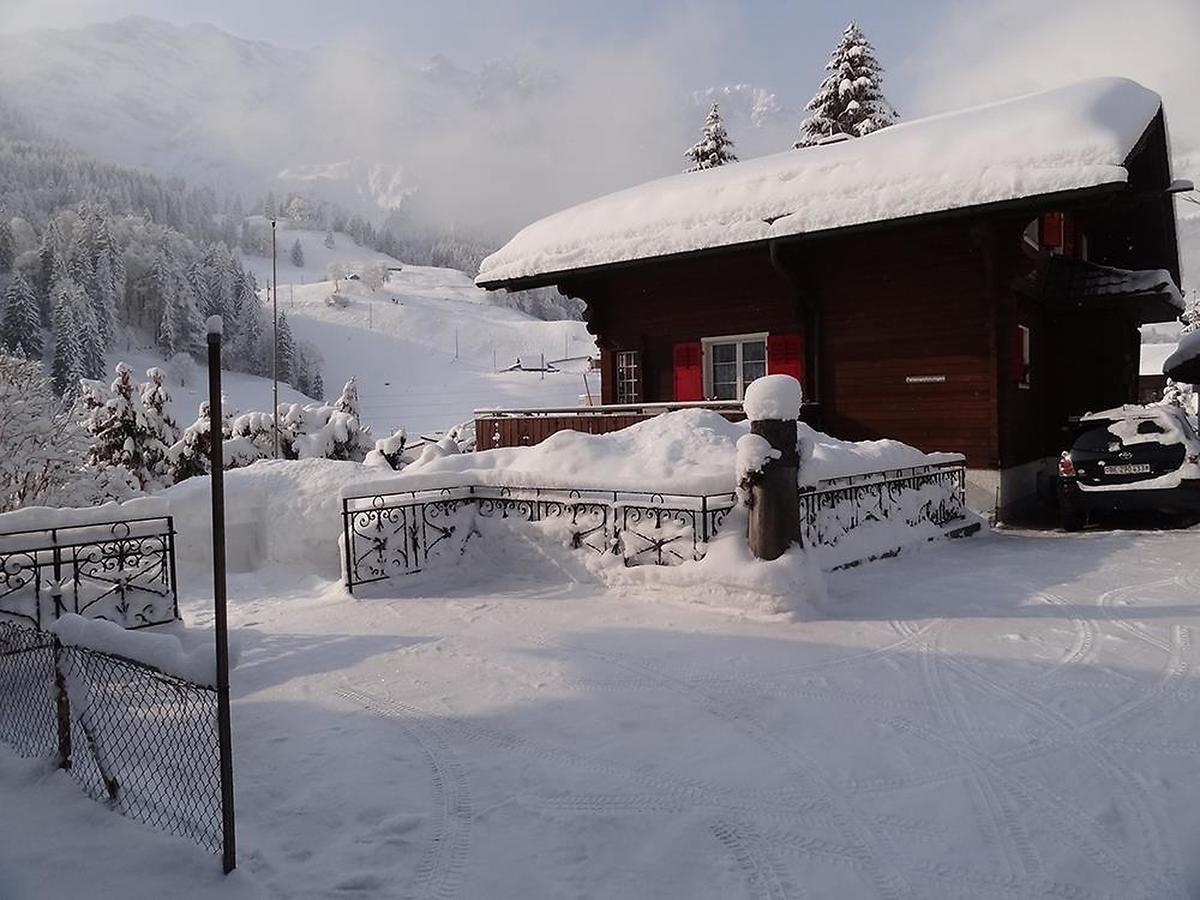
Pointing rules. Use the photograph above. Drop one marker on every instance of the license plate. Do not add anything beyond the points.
(1130, 469)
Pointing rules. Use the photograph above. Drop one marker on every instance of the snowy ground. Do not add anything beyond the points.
(1012, 715)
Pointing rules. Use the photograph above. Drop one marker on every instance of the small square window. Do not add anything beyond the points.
(732, 363)
(629, 376)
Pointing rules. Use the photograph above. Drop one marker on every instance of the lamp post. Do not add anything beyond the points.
(274, 343)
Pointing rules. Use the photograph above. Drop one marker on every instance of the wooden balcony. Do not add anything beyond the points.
(526, 427)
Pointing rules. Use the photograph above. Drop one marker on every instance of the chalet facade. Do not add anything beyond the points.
(965, 283)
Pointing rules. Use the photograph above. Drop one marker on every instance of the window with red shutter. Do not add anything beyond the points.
(689, 371)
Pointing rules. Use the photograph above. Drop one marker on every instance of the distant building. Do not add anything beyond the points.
(966, 282)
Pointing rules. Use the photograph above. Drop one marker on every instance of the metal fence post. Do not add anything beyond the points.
(217, 462)
(62, 709)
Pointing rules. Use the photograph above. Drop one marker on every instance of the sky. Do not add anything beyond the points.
(616, 116)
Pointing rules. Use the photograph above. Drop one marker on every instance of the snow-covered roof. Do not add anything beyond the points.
(1070, 138)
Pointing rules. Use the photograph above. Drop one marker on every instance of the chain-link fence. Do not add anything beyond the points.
(140, 740)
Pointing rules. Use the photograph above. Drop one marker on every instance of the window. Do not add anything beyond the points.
(629, 376)
(1021, 356)
(731, 363)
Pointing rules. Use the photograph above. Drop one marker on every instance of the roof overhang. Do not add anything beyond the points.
(997, 209)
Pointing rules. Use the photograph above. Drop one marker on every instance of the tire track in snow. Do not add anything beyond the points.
(763, 876)
(853, 827)
(439, 873)
(1117, 777)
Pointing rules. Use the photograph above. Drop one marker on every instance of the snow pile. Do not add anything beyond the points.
(773, 397)
(729, 577)
(190, 655)
(753, 453)
(43, 518)
(281, 512)
(688, 451)
(1065, 139)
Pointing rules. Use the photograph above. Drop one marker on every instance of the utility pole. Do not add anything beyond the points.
(274, 342)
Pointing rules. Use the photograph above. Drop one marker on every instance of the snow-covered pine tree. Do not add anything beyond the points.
(112, 421)
(297, 255)
(8, 250)
(347, 402)
(180, 327)
(329, 245)
(269, 205)
(68, 367)
(850, 100)
(157, 431)
(286, 350)
(68, 294)
(715, 148)
(21, 326)
(245, 344)
(40, 445)
(189, 455)
(317, 386)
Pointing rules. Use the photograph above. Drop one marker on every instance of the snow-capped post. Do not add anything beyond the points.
(217, 469)
(768, 463)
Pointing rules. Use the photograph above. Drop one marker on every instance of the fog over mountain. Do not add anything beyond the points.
(482, 147)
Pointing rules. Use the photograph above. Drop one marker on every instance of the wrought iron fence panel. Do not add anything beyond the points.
(640, 526)
(141, 741)
(934, 495)
(121, 571)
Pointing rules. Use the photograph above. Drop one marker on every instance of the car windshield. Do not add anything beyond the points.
(1095, 439)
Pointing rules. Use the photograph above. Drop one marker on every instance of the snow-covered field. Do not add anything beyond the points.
(1007, 716)
(427, 348)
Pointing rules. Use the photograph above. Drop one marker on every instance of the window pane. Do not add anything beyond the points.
(754, 361)
(724, 353)
(725, 390)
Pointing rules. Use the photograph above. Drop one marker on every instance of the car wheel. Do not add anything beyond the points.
(1071, 517)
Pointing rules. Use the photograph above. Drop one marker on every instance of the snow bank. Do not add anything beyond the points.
(773, 397)
(729, 577)
(688, 451)
(37, 518)
(1065, 139)
(276, 511)
(184, 653)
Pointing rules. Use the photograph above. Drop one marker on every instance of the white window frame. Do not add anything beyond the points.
(739, 339)
(635, 382)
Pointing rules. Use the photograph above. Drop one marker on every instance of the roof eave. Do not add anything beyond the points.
(999, 207)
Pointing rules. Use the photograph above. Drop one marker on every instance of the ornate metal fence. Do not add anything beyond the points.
(390, 534)
(140, 740)
(835, 507)
(121, 571)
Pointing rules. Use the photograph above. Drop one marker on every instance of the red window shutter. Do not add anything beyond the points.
(689, 373)
(785, 355)
(1052, 229)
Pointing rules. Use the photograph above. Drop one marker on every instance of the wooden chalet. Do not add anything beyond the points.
(967, 282)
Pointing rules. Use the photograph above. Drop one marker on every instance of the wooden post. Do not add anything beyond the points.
(774, 499)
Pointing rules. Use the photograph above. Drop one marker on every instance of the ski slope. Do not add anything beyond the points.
(425, 348)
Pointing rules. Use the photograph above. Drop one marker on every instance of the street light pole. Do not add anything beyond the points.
(274, 342)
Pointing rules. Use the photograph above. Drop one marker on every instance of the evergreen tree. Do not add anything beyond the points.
(286, 350)
(714, 147)
(21, 326)
(297, 255)
(269, 206)
(69, 295)
(318, 386)
(850, 100)
(180, 328)
(328, 244)
(8, 251)
(68, 366)
(348, 401)
(157, 431)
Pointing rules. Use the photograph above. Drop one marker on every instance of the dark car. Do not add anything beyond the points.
(1132, 458)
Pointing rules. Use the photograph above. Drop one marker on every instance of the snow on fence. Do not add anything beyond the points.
(399, 533)
(863, 517)
(121, 570)
(134, 737)
(848, 519)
